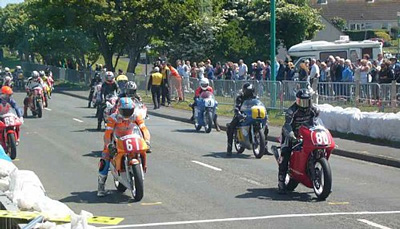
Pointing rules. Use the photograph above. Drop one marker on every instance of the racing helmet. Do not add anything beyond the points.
(156, 69)
(7, 79)
(35, 74)
(204, 83)
(248, 90)
(6, 92)
(18, 67)
(303, 99)
(130, 88)
(126, 107)
(110, 76)
(7, 69)
(41, 73)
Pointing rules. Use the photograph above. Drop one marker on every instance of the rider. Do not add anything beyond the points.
(34, 80)
(95, 80)
(301, 112)
(121, 79)
(6, 102)
(204, 86)
(120, 124)
(108, 87)
(131, 91)
(246, 93)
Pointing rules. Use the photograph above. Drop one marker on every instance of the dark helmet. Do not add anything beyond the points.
(248, 90)
(303, 98)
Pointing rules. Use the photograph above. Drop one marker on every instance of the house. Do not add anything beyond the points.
(329, 32)
(361, 14)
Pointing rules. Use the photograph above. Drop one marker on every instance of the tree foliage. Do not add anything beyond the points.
(339, 22)
(73, 30)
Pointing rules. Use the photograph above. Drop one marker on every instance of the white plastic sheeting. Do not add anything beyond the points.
(352, 120)
(25, 190)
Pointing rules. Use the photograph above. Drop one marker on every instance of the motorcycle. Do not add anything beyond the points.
(204, 112)
(36, 98)
(129, 164)
(19, 83)
(47, 94)
(250, 132)
(309, 160)
(9, 133)
(95, 95)
(106, 109)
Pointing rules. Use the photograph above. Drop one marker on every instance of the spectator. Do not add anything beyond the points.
(218, 72)
(235, 71)
(364, 70)
(267, 70)
(375, 71)
(243, 70)
(253, 70)
(290, 72)
(386, 75)
(347, 74)
(184, 73)
(259, 71)
(303, 74)
(339, 69)
(201, 70)
(281, 71)
(380, 59)
(314, 74)
(194, 70)
(176, 82)
(209, 70)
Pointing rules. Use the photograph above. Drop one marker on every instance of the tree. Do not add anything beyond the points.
(339, 22)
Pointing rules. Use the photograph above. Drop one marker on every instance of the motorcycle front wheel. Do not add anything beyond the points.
(12, 146)
(209, 121)
(259, 144)
(322, 182)
(138, 190)
(39, 109)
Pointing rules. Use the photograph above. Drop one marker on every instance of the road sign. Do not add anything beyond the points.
(143, 55)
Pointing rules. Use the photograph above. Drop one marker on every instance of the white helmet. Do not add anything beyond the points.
(18, 67)
(7, 79)
(109, 76)
(156, 69)
(204, 83)
(35, 74)
(7, 69)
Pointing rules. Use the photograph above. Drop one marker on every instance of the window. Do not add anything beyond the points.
(324, 55)
(322, 2)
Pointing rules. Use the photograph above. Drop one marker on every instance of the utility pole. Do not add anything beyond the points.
(273, 51)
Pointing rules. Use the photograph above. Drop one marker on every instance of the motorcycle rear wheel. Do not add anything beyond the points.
(322, 183)
(239, 148)
(138, 191)
(12, 146)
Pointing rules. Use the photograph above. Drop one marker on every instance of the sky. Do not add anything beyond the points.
(3, 3)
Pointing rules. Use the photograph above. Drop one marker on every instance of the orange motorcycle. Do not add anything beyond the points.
(129, 163)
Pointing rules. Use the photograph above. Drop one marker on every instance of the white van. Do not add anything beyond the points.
(344, 48)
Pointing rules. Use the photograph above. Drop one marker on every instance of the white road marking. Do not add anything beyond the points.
(373, 224)
(251, 181)
(208, 166)
(47, 109)
(78, 120)
(250, 218)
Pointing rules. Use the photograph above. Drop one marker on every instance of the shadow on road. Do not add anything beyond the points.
(223, 155)
(272, 194)
(89, 116)
(89, 130)
(90, 197)
(96, 154)
(187, 131)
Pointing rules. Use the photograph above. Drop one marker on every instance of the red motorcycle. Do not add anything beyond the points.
(9, 133)
(35, 100)
(309, 160)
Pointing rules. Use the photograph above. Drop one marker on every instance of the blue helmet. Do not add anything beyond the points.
(126, 107)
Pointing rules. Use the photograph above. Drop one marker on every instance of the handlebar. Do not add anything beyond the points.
(299, 144)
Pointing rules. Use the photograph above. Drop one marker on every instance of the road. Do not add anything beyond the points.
(191, 184)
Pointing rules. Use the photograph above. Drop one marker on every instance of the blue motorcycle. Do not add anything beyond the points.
(250, 132)
(204, 111)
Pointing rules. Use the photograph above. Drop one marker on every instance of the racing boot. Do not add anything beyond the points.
(25, 115)
(281, 184)
(230, 139)
(101, 190)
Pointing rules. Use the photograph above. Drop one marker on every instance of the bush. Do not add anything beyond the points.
(384, 35)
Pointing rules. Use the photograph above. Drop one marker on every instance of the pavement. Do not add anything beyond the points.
(190, 183)
(384, 155)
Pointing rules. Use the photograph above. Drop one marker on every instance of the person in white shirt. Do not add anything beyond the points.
(242, 70)
(314, 74)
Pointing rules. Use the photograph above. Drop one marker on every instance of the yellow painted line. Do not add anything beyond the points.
(338, 203)
(151, 204)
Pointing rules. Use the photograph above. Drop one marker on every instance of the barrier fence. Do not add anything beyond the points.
(275, 95)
